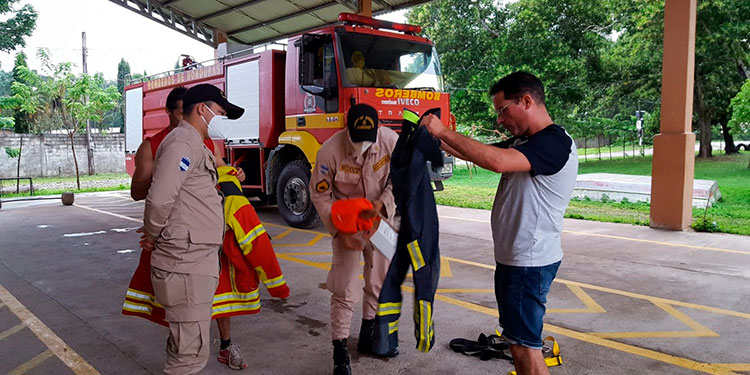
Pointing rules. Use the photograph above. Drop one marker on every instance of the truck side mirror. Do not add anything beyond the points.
(309, 45)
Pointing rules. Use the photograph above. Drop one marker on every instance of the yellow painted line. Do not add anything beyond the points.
(686, 320)
(297, 229)
(624, 293)
(742, 367)
(30, 364)
(12, 330)
(283, 234)
(623, 238)
(323, 266)
(587, 337)
(465, 291)
(658, 299)
(591, 305)
(66, 354)
(659, 242)
(307, 253)
(109, 213)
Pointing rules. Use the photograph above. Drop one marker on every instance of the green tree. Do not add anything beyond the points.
(17, 27)
(740, 105)
(20, 77)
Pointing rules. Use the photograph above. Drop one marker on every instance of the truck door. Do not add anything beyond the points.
(317, 73)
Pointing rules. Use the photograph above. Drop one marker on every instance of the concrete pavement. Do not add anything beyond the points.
(627, 299)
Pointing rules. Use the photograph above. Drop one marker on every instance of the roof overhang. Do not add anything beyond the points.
(251, 22)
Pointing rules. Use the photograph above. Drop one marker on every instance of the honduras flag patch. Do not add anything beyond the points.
(184, 164)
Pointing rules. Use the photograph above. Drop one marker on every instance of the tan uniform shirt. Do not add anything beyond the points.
(183, 208)
(341, 172)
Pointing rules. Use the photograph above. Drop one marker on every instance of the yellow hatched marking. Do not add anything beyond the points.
(10, 331)
(591, 305)
(282, 234)
(312, 242)
(698, 330)
(298, 230)
(322, 266)
(591, 338)
(30, 364)
(66, 354)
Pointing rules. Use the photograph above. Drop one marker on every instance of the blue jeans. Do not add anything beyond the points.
(521, 294)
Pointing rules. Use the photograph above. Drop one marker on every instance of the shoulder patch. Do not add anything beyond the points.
(323, 169)
(322, 186)
(184, 163)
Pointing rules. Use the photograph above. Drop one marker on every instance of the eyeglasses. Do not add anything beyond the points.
(502, 110)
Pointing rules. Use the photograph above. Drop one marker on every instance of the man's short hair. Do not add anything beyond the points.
(518, 84)
(174, 96)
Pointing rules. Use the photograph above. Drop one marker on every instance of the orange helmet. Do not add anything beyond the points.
(345, 215)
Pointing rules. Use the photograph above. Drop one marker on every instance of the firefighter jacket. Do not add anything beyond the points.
(247, 259)
(417, 245)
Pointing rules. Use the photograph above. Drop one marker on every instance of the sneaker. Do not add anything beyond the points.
(232, 357)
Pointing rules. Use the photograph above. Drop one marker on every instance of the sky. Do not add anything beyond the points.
(112, 33)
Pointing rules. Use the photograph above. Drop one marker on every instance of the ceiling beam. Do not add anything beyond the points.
(228, 10)
(280, 19)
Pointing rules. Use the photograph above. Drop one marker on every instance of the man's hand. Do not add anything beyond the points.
(377, 209)
(147, 242)
(240, 174)
(351, 241)
(434, 125)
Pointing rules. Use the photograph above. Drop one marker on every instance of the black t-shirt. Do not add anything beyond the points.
(547, 151)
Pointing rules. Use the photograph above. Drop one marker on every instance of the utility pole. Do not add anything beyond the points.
(90, 149)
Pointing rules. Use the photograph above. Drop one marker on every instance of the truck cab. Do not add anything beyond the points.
(361, 61)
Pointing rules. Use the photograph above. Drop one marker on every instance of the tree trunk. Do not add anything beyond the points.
(704, 120)
(18, 166)
(729, 146)
(75, 160)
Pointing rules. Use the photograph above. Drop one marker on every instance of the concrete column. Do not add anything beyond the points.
(220, 44)
(365, 8)
(674, 146)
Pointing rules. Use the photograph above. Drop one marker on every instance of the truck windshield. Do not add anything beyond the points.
(377, 61)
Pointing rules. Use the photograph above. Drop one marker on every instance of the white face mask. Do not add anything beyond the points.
(214, 130)
(362, 147)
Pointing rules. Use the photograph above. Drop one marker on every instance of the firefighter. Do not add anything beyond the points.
(184, 226)
(141, 181)
(354, 163)
(417, 245)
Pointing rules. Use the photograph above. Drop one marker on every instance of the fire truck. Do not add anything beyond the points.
(297, 98)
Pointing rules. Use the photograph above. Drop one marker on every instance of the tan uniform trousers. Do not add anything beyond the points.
(343, 282)
(187, 301)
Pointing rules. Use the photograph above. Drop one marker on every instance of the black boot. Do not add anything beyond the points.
(341, 358)
(366, 335)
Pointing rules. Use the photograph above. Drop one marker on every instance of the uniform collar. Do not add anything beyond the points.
(191, 130)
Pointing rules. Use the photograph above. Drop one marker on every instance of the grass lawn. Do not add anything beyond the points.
(41, 184)
(731, 213)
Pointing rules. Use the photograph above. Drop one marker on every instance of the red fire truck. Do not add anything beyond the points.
(296, 99)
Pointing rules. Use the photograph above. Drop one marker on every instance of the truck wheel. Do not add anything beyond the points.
(293, 197)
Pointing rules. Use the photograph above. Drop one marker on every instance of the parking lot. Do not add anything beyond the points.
(627, 299)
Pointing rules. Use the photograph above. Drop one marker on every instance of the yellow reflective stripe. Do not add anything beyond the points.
(136, 307)
(426, 330)
(417, 260)
(236, 296)
(275, 282)
(253, 234)
(142, 296)
(389, 308)
(235, 307)
(411, 117)
(392, 327)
